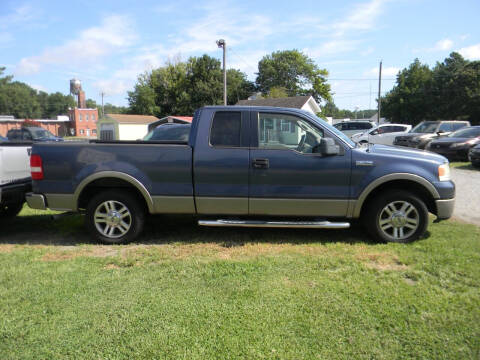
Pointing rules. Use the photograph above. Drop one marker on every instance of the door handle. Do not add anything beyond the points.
(260, 163)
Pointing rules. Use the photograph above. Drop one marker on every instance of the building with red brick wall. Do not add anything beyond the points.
(58, 127)
(83, 122)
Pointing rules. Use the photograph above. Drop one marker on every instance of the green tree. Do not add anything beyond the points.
(91, 104)
(57, 104)
(295, 72)
(238, 87)
(142, 98)
(204, 76)
(180, 88)
(411, 100)
(277, 92)
(456, 88)
(113, 109)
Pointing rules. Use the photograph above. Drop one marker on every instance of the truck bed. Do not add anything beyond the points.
(164, 168)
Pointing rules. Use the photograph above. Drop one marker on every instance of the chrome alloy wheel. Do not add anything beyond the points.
(399, 220)
(112, 219)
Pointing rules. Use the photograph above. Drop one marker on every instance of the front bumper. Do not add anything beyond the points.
(36, 201)
(445, 208)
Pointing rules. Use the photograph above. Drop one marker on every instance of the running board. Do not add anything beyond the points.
(277, 224)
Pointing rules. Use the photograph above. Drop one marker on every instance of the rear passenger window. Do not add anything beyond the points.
(225, 130)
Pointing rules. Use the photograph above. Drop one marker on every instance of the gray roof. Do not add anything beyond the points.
(295, 102)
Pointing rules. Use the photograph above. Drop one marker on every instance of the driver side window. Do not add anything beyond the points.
(281, 131)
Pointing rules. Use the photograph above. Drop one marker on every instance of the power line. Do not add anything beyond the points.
(242, 59)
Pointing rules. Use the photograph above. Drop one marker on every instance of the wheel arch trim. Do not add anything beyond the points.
(117, 175)
(358, 204)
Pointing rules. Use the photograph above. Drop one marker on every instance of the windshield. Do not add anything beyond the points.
(41, 134)
(469, 132)
(425, 127)
(333, 130)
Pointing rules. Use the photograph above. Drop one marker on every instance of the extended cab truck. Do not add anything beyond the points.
(245, 166)
(15, 179)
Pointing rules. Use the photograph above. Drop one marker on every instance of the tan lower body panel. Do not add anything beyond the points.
(300, 207)
(222, 205)
(173, 205)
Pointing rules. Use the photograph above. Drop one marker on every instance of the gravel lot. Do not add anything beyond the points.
(467, 205)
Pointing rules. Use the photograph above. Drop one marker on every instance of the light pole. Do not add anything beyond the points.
(223, 44)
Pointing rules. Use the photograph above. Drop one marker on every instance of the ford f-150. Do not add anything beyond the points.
(248, 167)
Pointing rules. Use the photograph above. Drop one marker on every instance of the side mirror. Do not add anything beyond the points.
(440, 132)
(327, 147)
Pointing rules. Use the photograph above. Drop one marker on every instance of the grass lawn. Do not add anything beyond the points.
(217, 293)
(465, 165)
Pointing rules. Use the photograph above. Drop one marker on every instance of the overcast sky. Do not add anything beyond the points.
(106, 44)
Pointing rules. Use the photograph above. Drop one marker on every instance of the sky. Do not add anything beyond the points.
(108, 43)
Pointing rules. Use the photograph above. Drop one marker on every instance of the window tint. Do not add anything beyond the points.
(364, 126)
(398, 128)
(457, 126)
(281, 131)
(446, 127)
(26, 135)
(226, 128)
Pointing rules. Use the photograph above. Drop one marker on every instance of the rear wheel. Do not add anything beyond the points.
(476, 164)
(115, 217)
(398, 216)
(11, 209)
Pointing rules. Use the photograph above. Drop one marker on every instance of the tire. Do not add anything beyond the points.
(115, 217)
(476, 164)
(10, 210)
(396, 216)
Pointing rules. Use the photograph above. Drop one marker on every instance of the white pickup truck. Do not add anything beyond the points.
(15, 178)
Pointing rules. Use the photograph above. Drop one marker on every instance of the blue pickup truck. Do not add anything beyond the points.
(246, 167)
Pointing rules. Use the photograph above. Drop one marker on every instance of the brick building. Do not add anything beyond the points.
(83, 122)
(58, 127)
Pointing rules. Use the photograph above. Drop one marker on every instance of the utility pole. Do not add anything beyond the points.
(223, 44)
(103, 109)
(379, 92)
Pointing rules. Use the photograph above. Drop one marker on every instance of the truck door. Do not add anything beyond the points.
(221, 162)
(287, 177)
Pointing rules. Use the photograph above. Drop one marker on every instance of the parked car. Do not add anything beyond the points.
(15, 178)
(383, 134)
(427, 131)
(350, 128)
(169, 131)
(474, 156)
(32, 133)
(248, 167)
(457, 144)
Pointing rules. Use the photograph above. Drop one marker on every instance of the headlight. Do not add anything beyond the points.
(444, 172)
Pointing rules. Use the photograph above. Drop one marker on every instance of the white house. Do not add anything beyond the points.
(306, 103)
(123, 126)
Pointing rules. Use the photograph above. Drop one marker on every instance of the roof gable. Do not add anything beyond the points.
(296, 102)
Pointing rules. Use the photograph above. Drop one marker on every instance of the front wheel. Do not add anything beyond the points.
(115, 217)
(398, 216)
